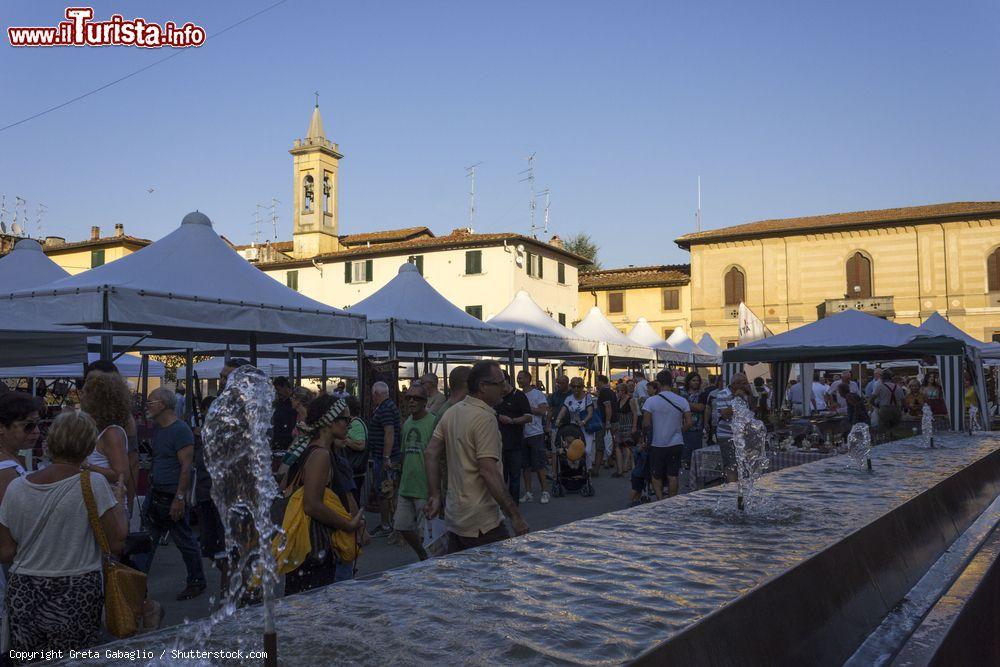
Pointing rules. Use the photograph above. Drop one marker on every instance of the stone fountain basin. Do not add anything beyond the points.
(612, 588)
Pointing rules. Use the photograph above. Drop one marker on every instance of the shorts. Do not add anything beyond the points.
(728, 451)
(535, 455)
(457, 543)
(638, 483)
(410, 515)
(665, 461)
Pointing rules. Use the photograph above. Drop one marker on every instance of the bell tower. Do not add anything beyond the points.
(315, 162)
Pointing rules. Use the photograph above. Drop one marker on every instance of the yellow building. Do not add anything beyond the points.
(79, 256)
(661, 294)
(902, 264)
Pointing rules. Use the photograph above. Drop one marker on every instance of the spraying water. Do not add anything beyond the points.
(750, 443)
(238, 457)
(927, 425)
(974, 423)
(859, 446)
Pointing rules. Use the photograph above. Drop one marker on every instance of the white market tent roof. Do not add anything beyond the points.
(643, 334)
(938, 325)
(596, 326)
(188, 286)
(418, 315)
(679, 340)
(129, 366)
(34, 344)
(311, 368)
(27, 266)
(847, 336)
(541, 333)
(707, 343)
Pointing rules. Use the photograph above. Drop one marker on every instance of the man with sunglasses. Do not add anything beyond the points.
(417, 431)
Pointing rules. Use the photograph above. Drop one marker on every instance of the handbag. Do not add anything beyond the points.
(595, 423)
(124, 588)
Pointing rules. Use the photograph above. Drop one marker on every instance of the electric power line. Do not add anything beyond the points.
(138, 71)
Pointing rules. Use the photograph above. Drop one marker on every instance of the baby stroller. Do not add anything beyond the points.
(571, 476)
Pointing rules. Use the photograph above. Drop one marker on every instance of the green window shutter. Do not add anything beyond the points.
(347, 272)
(475, 311)
(96, 258)
(368, 270)
(292, 280)
(562, 319)
(561, 271)
(541, 265)
(527, 262)
(473, 262)
(420, 264)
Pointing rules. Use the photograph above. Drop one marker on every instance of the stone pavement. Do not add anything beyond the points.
(167, 575)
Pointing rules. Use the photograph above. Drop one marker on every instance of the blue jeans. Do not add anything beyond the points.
(182, 535)
(692, 443)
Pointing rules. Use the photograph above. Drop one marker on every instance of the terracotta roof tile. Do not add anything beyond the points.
(103, 241)
(386, 236)
(453, 240)
(879, 218)
(636, 276)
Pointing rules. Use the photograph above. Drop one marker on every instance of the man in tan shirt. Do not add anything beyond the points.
(470, 438)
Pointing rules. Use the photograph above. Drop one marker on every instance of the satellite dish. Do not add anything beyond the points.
(519, 259)
(520, 248)
(16, 228)
(3, 227)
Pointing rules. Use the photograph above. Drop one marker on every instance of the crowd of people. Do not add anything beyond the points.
(440, 472)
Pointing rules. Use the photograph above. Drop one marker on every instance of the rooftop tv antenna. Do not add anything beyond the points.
(545, 216)
(274, 217)
(17, 227)
(3, 214)
(470, 172)
(697, 213)
(256, 224)
(39, 212)
(530, 178)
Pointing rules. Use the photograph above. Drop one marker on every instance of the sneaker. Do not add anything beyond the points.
(527, 497)
(191, 592)
(545, 497)
(382, 531)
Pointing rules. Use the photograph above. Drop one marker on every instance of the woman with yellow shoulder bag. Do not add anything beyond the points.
(321, 519)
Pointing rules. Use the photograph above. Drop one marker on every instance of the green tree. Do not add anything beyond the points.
(582, 244)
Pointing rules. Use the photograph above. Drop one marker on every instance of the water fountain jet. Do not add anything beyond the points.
(750, 444)
(927, 425)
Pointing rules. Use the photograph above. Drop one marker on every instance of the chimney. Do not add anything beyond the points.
(119, 230)
(95, 233)
(556, 241)
(54, 241)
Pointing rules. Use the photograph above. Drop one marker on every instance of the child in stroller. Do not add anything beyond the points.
(572, 475)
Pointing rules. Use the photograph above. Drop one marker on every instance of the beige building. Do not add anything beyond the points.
(79, 256)
(480, 273)
(661, 294)
(902, 264)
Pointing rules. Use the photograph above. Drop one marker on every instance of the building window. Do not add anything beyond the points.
(327, 192)
(562, 319)
(735, 282)
(308, 193)
(993, 271)
(534, 265)
(995, 337)
(475, 311)
(561, 273)
(671, 299)
(292, 280)
(473, 262)
(859, 277)
(616, 302)
(358, 272)
(732, 342)
(96, 258)
(418, 261)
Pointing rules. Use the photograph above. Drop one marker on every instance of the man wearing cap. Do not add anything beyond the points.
(417, 431)
(469, 435)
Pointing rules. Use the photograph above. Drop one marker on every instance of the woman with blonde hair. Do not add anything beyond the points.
(54, 591)
(107, 399)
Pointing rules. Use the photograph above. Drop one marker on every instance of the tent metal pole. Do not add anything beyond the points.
(444, 372)
(144, 378)
(253, 349)
(323, 377)
(107, 342)
(188, 386)
(423, 354)
(362, 393)
(291, 363)
(416, 370)
(524, 355)
(298, 368)
(510, 362)
(228, 355)
(392, 338)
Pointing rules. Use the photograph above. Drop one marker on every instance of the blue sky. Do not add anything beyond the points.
(784, 108)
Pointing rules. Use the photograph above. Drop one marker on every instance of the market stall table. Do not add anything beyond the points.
(706, 463)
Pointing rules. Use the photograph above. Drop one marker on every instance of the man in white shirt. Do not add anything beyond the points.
(534, 455)
(819, 389)
(640, 387)
(870, 387)
(845, 377)
(665, 418)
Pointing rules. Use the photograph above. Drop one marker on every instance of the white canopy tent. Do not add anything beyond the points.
(615, 346)
(708, 344)
(188, 286)
(311, 368)
(27, 266)
(129, 366)
(679, 340)
(540, 334)
(643, 334)
(407, 313)
(976, 350)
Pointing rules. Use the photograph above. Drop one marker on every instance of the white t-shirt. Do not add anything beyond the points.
(836, 383)
(667, 418)
(535, 399)
(578, 407)
(66, 546)
(819, 392)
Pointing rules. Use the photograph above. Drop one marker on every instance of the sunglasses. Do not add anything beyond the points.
(29, 426)
(415, 398)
